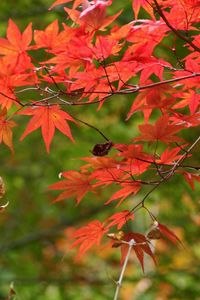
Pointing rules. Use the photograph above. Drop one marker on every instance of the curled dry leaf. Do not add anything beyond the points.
(154, 233)
(158, 230)
(102, 149)
(118, 236)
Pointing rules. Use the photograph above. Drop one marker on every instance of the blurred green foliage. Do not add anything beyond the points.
(31, 255)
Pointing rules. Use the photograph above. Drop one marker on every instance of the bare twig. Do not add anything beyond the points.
(168, 165)
(93, 127)
(169, 174)
(131, 90)
(11, 98)
(131, 243)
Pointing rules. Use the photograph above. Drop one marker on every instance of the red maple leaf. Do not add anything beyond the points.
(6, 130)
(89, 235)
(191, 178)
(168, 233)
(135, 161)
(128, 188)
(137, 4)
(148, 33)
(59, 2)
(120, 219)
(93, 15)
(120, 32)
(186, 120)
(95, 84)
(183, 13)
(13, 74)
(48, 37)
(162, 131)
(169, 155)
(152, 98)
(157, 229)
(72, 52)
(75, 184)
(100, 163)
(141, 246)
(106, 46)
(16, 43)
(190, 98)
(106, 170)
(130, 151)
(48, 118)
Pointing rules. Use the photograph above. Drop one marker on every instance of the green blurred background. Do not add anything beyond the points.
(34, 249)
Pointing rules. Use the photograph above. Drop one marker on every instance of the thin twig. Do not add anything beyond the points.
(134, 89)
(168, 165)
(121, 276)
(161, 14)
(11, 98)
(93, 127)
(169, 174)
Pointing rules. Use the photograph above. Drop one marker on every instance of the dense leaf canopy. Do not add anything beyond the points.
(78, 78)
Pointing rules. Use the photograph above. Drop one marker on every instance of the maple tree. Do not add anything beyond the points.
(89, 61)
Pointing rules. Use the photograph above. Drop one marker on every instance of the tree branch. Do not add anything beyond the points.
(169, 174)
(176, 32)
(121, 276)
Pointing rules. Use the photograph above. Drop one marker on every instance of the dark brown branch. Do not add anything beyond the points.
(142, 87)
(11, 98)
(133, 90)
(176, 32)
(93, 127)
(168, 165)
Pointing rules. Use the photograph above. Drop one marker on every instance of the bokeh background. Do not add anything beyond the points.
(34, 240)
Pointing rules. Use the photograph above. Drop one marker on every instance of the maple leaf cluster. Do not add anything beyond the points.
(90, 60)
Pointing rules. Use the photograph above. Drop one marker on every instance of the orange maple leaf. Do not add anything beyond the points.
(6, 130)
(75, 184)
(169, 156)
(191, 178)
(12, 74)
(60, 2)
(16, 42)
(128, 188)
(105, 47)
(120, 219)
(89, 235)
(153, 98)
(48, 118)
(190, 98)
(100, 163)
(137, 4)
(93, 15)
(48, 37)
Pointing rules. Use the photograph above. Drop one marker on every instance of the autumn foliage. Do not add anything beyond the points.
(89, 60)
